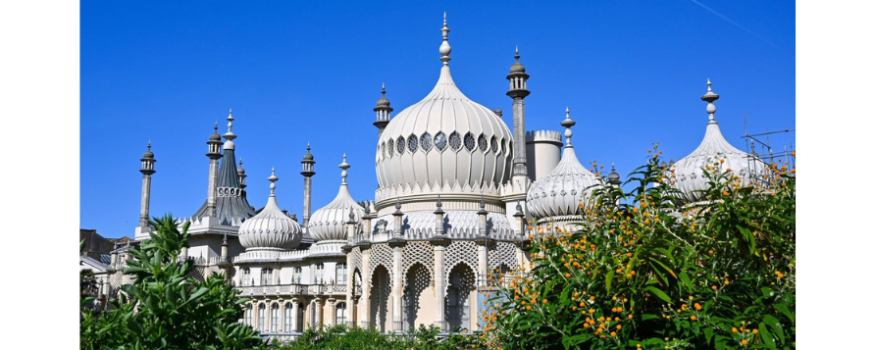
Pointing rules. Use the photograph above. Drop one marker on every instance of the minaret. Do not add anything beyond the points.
(383, 112)
(518, 92)
(214, 153)
(241, 175)
(147, 168)
(308, 172)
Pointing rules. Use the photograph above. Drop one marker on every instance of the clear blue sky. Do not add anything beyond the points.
(631, 72)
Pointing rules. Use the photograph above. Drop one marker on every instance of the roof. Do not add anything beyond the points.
(232, 208)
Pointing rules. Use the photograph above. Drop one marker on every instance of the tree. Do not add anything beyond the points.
(659, 274)
(165, 308)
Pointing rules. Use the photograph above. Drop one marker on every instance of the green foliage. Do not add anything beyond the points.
(340, 338)
(656, 274)
(165, 308)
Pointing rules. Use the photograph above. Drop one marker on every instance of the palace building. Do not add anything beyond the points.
(456, 190)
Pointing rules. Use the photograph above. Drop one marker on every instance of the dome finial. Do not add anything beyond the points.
(230, 134)
(384, 89)
(517, 55)
(344, 166)
(272, 180)
(710, 97)
(149, 145)
(568, 123)
(445, 46)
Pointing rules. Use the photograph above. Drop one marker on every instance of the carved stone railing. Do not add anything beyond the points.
(293, 289)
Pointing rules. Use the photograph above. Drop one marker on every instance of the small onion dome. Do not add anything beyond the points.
(689, 175)
(215, 136)
(240, 170)
(329, 222)
(308, 156)
(148, 154)
(271, 228)
(613, 177)
(517, 67)
(383, 101)
(559, 193)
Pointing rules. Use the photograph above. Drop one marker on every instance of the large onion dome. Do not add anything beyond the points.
(444, 140)
(329, 222)
(690, 178)
(270, 229)
(556, 196)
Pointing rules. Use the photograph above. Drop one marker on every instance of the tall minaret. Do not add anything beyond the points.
(518, 92)
(214, 153)
(308, 172)
(147, 168)
(383, 112)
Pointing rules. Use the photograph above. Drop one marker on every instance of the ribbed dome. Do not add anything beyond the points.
(690, 177)
(329, 222)
(445, 138)
(688, 171)
(558, 193)
(271, 228)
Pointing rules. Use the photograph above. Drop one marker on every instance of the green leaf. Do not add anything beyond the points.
(608, 279)
(783, 308)
(708, 333)
(658, 293)
(765, 335)
(686, 279)
(646, 317)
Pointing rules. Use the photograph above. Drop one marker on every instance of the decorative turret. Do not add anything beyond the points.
(518, 92)
(241, 173)
(309, 169)
(614, 177)
(384, 111)
(147, 168)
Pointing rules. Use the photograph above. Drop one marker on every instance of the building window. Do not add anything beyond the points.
(391, 147)
(494, 145)
(274, 317)
(245, 277)
(401, 145)
(320, 268)
(425, 142)
(440, 141)
(266, 276)
(455, 141)
(341, 314)
(296, 274)
(412, 143)
(288, 314)
(261, 309)
(341, 273)
(469, 142)
(482, 143)
(247, 316)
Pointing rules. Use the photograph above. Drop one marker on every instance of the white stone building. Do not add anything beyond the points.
(455, 188)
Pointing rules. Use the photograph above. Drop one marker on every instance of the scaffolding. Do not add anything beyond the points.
(767, 154)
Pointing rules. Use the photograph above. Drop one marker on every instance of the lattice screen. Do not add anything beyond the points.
(416, 252)
(381, 254)
(460, 252)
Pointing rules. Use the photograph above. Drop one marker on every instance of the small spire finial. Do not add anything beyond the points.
(149, 145)
(384, 90)
(710, 97)
(445, 48)
(568, 123)
(230, 134)
(344, 166)
(517, 55)
(272, 180)
(439, 203)
(216, 127)
(308, 147)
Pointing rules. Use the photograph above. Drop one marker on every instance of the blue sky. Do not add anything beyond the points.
(631, 72)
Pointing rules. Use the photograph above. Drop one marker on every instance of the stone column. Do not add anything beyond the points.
(294, 314)
(482, 262)
(440, 244)
(318, 310)
(332, 312)
(365, 303)
(396, 289)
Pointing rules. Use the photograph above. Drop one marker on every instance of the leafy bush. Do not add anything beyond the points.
(340, 338)
(652, 273)
(165, 308)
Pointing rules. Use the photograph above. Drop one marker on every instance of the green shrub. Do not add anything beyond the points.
(165, 308)
(651, 273)
(341, 338)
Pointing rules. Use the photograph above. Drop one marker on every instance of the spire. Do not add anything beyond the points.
(384, 111)
(613, 177)
(568, 123)
(344, 166)
(241, 173)
(148, 160)
(445, 46)
(272, 180)
(710, 97)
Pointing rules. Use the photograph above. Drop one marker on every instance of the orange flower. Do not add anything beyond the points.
(714, 287)
(692, 318)
(743, 342)
(545, 301)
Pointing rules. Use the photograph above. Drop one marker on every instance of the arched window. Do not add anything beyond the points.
(297, 272)
(288, 316)
(266, 276)
(341, 314)
(341, 273)
(320, 268)
(247, 316)
(261, 309)
(274, 317)
(245, 277)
